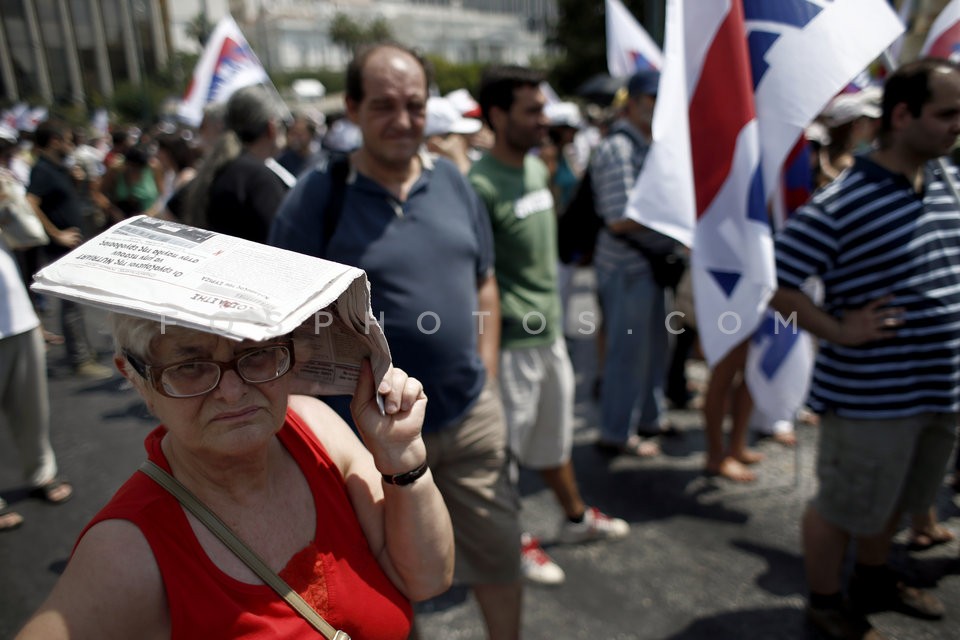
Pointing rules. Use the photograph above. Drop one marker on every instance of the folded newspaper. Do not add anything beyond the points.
(190, 277)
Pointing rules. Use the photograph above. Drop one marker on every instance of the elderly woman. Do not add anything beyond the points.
(347, 526)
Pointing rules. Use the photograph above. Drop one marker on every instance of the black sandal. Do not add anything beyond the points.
(47, 491)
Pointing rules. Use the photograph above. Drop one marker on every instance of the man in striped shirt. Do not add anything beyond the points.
(633, 304)
(885, 240)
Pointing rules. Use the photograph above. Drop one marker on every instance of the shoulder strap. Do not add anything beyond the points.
(339, 170)
(242, 551)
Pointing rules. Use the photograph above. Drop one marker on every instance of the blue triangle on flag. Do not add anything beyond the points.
(727, 280)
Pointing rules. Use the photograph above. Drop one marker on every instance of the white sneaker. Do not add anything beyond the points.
(596, 525)
(535, 565)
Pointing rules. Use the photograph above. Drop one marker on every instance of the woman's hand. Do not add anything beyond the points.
(394, 437)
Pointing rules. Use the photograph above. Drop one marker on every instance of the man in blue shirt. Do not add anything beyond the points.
(883, 238)
(414, 224)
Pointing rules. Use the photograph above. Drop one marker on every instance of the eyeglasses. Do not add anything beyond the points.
(196, 377)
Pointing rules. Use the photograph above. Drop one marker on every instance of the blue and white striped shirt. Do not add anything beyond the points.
(867, 235)
(613, 170)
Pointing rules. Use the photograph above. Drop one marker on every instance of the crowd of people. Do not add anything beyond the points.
(402, 184)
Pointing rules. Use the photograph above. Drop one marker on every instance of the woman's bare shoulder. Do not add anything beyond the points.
(111, 588)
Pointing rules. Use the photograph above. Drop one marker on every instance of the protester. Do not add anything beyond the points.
(290, 479)
(239, 186)
(536, 377)
(851, 122)
(24, 400)
(727, 392)
(177, 154)
(132, 186)
(57, 203)
(559, 154)
(633, 304)
(299, 153)
(212, 126)
(87, 169)
(414, 224)
(884, 382)
(447, 132)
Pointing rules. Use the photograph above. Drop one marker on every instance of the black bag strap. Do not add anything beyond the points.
(339, 171)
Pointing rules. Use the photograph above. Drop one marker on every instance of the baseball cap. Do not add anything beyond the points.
(444, 118)
(563, 114)
(643, 83)
(847, 107)
(464, 102)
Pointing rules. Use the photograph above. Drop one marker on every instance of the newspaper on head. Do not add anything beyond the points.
(190, 277)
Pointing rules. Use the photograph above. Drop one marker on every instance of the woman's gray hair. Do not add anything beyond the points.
(134, 334)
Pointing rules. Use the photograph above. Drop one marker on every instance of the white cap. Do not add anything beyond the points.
(343, 136)
(8, 134)
(563, 114)
(464, 102)
(444, 118)
(847, 107)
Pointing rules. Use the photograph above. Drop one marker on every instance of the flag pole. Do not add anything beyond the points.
(891, 66)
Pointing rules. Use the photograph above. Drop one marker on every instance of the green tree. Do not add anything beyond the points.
(351, 35)
(448, 76)
(579, 35)
(379, 30)
(199, 28)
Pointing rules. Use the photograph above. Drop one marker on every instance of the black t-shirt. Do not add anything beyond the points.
(292, 161)
(59, 199)
(244, 197)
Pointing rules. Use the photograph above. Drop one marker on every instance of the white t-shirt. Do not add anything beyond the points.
(16, 312)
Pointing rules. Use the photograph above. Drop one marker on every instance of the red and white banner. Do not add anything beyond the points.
(629, 47)
(226, 64)
(943, 39)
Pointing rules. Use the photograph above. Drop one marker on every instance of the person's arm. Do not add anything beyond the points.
(69, 238)
(873, 321)
(107, 193)
(613, 180)
(407, 527)
(488, 325)
(105, 593)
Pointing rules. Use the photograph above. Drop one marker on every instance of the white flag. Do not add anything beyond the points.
(629, 47)
(943, 40)
(227, 64)
(741, 81)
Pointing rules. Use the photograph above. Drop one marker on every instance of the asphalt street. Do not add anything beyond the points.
(705, 558)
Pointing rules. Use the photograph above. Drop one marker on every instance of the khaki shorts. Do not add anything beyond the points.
(468, 461)
(870, 470)
(537, 385)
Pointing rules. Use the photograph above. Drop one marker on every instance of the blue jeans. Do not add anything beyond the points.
(634, 315)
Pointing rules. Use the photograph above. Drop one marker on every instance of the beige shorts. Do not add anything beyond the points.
(537, 385)
(469, 465)
(870, 470)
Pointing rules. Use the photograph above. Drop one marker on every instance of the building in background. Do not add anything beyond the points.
(68, 51)
(293, 35)
(65, 51)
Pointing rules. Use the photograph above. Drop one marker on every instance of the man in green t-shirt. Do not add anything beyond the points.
(536, 376)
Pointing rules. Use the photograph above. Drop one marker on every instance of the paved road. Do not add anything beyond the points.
(704, 559)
